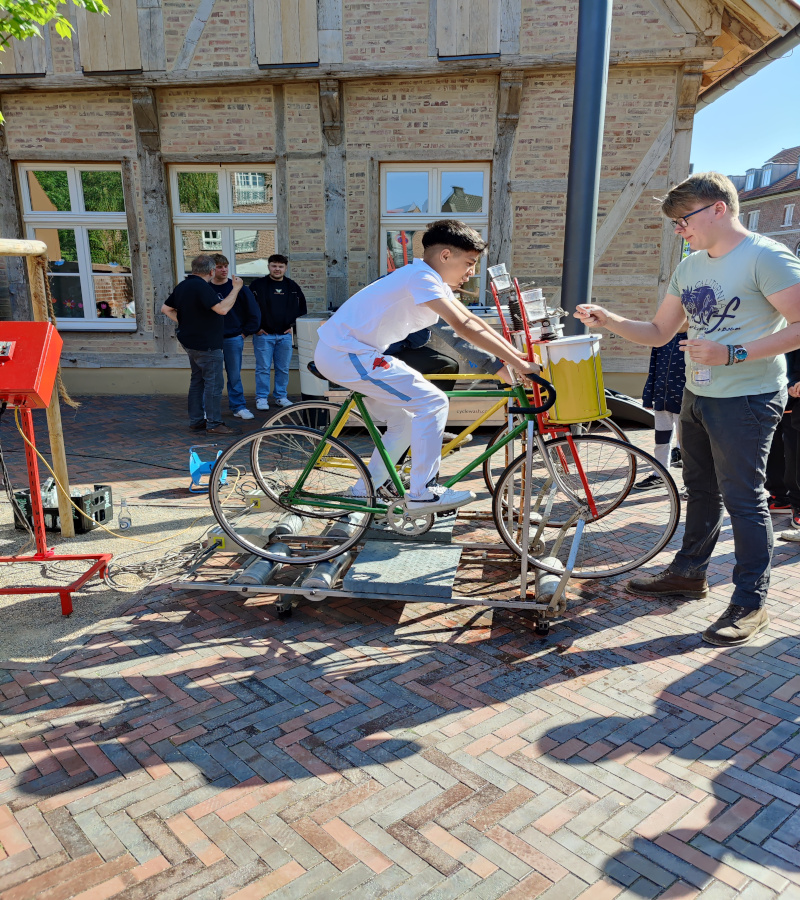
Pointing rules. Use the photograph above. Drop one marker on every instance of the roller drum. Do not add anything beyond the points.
(260, 571)
(546, 582)
(325, 574)
(288, 524)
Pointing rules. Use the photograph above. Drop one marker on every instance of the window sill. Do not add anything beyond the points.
(72, 325)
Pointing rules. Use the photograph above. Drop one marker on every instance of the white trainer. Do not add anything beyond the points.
(244, 414)
(262, 403)
(284, 402)
(438, 498)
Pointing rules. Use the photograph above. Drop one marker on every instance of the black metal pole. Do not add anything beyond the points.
(585, 152)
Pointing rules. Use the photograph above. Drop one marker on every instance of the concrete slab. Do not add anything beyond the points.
(397, 567)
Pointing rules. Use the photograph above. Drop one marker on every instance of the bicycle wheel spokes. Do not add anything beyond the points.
(626, 528)
(261, 507)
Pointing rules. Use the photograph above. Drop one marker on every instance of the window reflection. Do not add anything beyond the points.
(462, 192)
(198, 192)
(102, 191)
(406, 193)
(402, 247)
(252, 192)
(253, 247)
(49, 191)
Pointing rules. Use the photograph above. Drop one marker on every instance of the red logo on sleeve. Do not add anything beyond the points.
(380, 363)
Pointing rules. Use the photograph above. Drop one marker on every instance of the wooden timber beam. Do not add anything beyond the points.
(419, 68)
(509, 101)
(332, 115)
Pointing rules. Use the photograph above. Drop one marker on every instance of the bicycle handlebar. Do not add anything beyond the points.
(535, 410)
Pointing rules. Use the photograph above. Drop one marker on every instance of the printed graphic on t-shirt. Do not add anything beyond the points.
(380, 363)
(707, 309)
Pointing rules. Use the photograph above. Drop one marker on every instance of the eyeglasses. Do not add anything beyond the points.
(680, 222)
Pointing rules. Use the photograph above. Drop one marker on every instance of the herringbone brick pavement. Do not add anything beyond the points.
(204, 748)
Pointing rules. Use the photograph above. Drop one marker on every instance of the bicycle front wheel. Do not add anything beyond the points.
(494, 465)
(587, 478)
(254, 506)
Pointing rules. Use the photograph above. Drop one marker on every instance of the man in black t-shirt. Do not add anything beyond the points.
(281, 302)
(199, 314)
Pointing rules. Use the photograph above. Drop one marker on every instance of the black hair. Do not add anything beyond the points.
(279, 258)
(452, 233)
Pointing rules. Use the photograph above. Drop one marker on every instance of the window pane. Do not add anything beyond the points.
(49, 191)
(402, 247)
(198, 192)
(109, 250)
(193, 246)
(253, 249)
(67, 296)
(113, 297)
(61, 248)
(462, 192)
(252, 192)
(406, 192)
(102, 192)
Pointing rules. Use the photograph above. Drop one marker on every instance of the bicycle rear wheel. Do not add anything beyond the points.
(494, 465)
(592, 481)
(257, 513)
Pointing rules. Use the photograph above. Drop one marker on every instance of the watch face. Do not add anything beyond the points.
(740, 353)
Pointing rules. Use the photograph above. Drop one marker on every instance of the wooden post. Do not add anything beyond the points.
(31, 250)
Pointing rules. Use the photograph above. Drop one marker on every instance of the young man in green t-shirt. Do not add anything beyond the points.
(735, 294)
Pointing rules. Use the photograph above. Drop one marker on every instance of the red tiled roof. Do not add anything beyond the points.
(788, 183)
(790, 156)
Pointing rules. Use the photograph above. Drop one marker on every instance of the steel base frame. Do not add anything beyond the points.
(43, 553)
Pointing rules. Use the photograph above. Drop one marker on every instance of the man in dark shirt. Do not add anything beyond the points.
(243, 319)
(281, 302)
(199, 314)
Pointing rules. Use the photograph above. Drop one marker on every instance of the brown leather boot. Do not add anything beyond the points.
(668, 584)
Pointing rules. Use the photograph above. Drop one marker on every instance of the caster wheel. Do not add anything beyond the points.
(285, 613)
(542, 628)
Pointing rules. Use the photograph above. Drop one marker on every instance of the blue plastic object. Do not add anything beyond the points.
(199, 470)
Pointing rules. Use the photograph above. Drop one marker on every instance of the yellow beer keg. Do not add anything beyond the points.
(572, 365)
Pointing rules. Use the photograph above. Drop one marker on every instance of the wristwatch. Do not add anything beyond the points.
(736, 354)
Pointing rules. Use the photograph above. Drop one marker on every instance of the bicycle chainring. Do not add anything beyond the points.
(409, 523)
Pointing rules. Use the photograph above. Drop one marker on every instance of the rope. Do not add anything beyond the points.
(42, 263)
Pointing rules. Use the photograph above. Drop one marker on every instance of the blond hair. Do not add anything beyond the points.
(702, 187)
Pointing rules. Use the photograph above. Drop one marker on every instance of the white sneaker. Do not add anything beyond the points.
(244, 414)
(438, 498)
(262, 403)
(284, 402)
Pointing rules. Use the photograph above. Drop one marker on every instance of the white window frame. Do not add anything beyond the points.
(749, 181)
(226, 221)
(752, 219)
(81, 223)
(419, 221)
(788, 216)
(766, 176)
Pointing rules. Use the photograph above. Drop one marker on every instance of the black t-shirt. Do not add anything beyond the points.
(281, 303)
(199, 327)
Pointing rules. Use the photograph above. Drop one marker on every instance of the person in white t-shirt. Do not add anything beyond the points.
(352, 345)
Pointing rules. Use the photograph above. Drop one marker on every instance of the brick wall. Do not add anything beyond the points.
(429, 113)
(219, 120)
(771, 211)
(302, 122)
(225, 41)
(382, 30)
(71, 123)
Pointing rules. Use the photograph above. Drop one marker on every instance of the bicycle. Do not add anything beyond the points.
(303, 478)
(351, 429)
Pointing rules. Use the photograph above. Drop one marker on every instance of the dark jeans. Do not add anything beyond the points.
(724, 444)
(428, 361)
(782, 471)
(205, 386)
(232, 350)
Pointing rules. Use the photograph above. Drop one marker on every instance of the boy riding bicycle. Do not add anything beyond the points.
(352, 345)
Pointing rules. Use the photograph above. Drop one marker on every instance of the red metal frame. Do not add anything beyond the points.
(43, 553)
(543, 420)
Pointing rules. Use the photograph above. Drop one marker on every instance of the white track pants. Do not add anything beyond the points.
(414, 410)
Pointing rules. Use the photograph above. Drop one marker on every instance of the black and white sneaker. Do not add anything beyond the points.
(648, 484)
(676, 460)
(437, 498)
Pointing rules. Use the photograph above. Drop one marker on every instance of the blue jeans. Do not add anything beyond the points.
(205, 387)
(272, 349)
(232, 349)
(724, 446)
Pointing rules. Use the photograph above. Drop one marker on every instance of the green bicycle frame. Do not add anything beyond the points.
(299, 497)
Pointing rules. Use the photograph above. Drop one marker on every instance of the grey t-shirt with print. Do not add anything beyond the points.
(725, 299)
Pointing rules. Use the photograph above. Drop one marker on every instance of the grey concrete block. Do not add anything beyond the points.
(393, 567)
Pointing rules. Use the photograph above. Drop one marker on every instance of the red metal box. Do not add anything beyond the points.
(29, 355)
